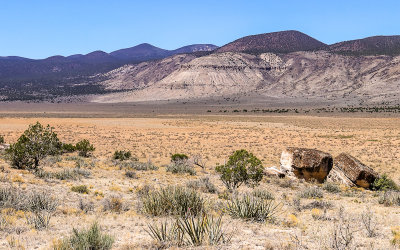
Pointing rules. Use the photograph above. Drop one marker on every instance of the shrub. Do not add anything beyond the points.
(172, 201)
(384, 183)
(311, 193)
(204, 185)
(331, 187)
(34, 144)
(86, 206)
(389, 198)
(249, 207)
(122, 155)
(68, 148)
(189, 231)
(242, 167)
(83, 189)
(179, 157)
(65, 174)
(84, 147)
(91, 238)
(114, 204)
(396, 236)
(40, 205)
(131, 174)
(1, 139)
(181, 167)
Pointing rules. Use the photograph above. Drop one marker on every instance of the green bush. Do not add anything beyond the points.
(84, 147)
(172, 201)
(384, 183)
(122, 155)
(179, 157)
(1, 139)
(86, 239)
(83, 189)
(249, 207)
(68, 148)
(242, 167)
(34, 144)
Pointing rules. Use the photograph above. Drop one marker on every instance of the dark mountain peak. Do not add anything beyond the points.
(276, 42)
(374, 45)
(140, 52)
(97, 53)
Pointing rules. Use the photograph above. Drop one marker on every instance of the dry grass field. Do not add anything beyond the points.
(300, 223)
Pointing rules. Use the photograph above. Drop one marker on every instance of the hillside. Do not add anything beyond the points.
(304, 77)
(376, 45)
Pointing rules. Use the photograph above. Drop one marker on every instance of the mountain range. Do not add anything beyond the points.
(286, 66)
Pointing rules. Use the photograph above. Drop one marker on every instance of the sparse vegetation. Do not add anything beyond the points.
(331, 187)
(189, 231)
(311, 193)
(203, 185)
(249, 207)
(91, 238)
(1, 139)
(242, 167)
(181, 167)
(389, 198)
(172, 201)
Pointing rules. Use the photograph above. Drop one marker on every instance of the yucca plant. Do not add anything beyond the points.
(190, 231)
(252, 208)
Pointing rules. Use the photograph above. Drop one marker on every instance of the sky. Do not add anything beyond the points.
(43, 28)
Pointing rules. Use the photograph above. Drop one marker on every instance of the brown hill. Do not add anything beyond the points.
(276, 42)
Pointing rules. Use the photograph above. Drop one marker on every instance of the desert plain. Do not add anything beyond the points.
(300, 223)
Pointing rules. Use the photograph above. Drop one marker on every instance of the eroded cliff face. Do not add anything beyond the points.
(299, 75)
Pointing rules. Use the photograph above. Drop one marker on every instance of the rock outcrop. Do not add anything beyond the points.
(308, 164)
(351, 169)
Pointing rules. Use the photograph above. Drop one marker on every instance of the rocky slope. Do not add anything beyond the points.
(303, 76)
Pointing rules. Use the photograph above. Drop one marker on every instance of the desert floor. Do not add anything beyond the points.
(375, 141)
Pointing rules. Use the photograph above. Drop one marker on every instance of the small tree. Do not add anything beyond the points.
(242, 167)
(34, 144)
(84, 147)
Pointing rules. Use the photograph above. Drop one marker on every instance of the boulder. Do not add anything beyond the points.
(337, 175)
(357, 172)
(308, 164)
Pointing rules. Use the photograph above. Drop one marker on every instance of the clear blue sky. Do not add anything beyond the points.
(42, 28)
